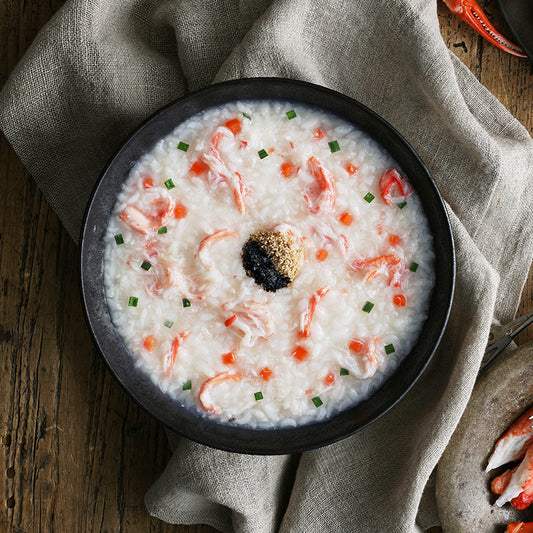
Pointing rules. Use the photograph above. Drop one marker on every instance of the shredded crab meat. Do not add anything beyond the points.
(165, 275)
(498, 484)
(220, 173)
(307, 316)
(207, 243)
(366, 359)
(253, 319)
(327, 235)
(205, 390)
(170, 357)
(320, 197)
(390, 181)
(159, 211)
(391, 266)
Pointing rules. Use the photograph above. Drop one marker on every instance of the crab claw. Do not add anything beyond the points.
(472, 14)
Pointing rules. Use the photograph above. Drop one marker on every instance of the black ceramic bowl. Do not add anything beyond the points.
(139, 385)
(519, 17)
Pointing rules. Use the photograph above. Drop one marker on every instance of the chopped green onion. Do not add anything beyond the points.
(389, 349)
(401, 205)
(258, 396)
(186, 303)
(334, 146)
(119, 239)
(133, 301)
(161, 230)
(169, 184)
(368, 197)
(368, 307)
(183, 146)
(317, 401)
(169, 323)
(262, 154)
(344, 372)
(291, 114)
(145, 265)
(187, 385)
(413, 267)
(246, 115)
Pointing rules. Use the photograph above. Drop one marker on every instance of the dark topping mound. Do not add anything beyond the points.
(272, 258)
(259, 266)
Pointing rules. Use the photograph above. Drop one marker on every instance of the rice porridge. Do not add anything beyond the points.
(268, 264)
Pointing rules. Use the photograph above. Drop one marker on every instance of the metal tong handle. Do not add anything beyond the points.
(497, 332)
(501, 336)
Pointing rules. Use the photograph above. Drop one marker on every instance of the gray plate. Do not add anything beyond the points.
(464, 500)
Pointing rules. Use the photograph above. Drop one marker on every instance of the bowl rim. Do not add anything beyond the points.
(277, 440)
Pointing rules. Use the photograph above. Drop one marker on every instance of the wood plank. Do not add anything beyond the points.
(77, 453)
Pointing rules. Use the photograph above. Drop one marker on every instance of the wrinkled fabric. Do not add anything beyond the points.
(100, 67)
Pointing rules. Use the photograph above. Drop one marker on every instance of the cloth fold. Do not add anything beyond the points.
(99, 67)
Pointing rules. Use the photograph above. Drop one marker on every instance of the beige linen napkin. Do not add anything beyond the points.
(100, 66)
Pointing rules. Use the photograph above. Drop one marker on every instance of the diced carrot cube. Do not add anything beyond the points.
(399, 300)
(198, 167)
(234, 125)
(230, 320)
(299, 353)
(350, 169)
(265, 373)
(357, 345)
(271, 150)
(229, 358)
(329, 379)
(322, 254)
(287, 169)
(149, 343)
(346, 218)
(180, 211)
(148, 183)
(318, 134)
(394, 240)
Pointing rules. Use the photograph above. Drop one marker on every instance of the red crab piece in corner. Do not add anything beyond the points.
(470, 12)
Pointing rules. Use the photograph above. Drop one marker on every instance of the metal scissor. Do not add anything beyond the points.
(501, 336)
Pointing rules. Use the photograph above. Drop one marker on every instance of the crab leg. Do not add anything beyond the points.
(519, 527)
(513, 444)
(499, 484)
(519, 490)
(470, 12)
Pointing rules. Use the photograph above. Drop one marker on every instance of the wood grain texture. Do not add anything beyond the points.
(76, 453)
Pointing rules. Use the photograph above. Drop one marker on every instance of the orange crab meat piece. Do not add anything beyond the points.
(206, 388)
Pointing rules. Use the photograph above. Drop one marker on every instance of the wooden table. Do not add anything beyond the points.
(76, 453)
